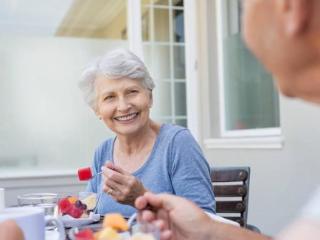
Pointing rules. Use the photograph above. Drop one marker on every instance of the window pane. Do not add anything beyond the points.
(44, 46)
(164, 52)
(161, 25)
(251, 100)
(182, 122)
(160, 2)
(147, 54)
(180, 99)
(145, 21)
(179, 62)
(178, 25)
(145, 2)
(177, 3)
(162, 101)
(161, 61)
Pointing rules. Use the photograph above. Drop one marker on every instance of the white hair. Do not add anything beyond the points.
(117, 64)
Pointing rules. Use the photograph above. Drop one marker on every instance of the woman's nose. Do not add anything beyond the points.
(123, 105)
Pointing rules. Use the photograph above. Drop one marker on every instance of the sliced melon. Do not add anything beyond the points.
(90, 201)
(115, 221)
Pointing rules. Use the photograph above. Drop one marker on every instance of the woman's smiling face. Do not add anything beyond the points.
(123, 104)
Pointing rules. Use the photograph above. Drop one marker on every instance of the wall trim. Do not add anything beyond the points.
(192, 78)
(40, 173)
(25, 179)
(275, 142)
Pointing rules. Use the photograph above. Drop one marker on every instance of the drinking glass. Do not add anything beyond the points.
(47, 201)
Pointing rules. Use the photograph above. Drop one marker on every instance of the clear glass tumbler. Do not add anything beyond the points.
(47, 201)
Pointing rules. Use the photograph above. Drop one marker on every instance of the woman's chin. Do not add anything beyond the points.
(127, 129)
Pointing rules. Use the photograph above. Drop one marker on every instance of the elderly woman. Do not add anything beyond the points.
(144, 155)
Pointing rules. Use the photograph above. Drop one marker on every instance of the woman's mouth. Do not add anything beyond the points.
(127, 118)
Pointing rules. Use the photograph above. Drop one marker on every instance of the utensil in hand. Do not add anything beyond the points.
(85, 174)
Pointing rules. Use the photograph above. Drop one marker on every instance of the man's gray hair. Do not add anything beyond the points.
(117, 64)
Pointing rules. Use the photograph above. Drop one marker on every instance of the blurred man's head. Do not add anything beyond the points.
(285, 36)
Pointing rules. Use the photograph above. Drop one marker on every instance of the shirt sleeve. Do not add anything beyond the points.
(312, 209)
(190, 172)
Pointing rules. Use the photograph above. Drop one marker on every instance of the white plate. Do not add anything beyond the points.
(69, 221)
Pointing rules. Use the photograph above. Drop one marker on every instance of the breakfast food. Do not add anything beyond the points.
(115, 227)
(115, 221)
(85, 174)
(90, 201)
(77, 208)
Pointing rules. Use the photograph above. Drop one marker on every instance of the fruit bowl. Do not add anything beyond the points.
(78, 210)
(70, 222)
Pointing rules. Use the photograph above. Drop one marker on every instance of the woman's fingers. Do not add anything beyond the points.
(116, 168)
(114, 175)
(111, 184)
(126, 186)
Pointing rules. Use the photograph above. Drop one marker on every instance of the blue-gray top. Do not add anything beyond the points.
(176, 165)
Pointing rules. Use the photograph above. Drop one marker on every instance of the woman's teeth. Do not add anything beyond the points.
(127, 117)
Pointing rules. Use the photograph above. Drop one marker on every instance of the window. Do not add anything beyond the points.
(249, 104)
(164, 48)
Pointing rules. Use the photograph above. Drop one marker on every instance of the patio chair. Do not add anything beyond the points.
(231, 189)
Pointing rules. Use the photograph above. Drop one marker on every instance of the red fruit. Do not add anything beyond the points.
(64, 205)
(84, 174)
(85, 234)
(75, 212)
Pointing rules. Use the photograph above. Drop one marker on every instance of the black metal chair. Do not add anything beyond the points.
(231, 189)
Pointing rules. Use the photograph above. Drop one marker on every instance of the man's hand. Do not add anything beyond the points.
(9, 230)
(176, 217)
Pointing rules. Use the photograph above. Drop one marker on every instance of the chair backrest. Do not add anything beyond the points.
(231, 189)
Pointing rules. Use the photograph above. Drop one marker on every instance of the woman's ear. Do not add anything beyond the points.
(96, 111)
(151, 99)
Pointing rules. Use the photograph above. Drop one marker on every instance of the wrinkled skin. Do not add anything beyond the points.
(121, 185)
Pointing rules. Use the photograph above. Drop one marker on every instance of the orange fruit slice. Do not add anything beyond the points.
(115, 221)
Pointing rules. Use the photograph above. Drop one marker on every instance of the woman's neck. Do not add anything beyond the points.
(135, 143)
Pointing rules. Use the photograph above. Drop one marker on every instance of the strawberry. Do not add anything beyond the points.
(64, 205)
(85, 234)
(75, 212)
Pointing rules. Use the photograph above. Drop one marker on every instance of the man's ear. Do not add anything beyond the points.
(296, 15)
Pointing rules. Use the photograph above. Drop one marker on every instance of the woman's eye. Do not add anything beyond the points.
(133, 91)
(108, 98)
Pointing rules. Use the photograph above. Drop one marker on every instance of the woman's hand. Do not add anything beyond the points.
(121, 185)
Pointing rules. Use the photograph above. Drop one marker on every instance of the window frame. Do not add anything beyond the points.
(191, 75)
(258, 132)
